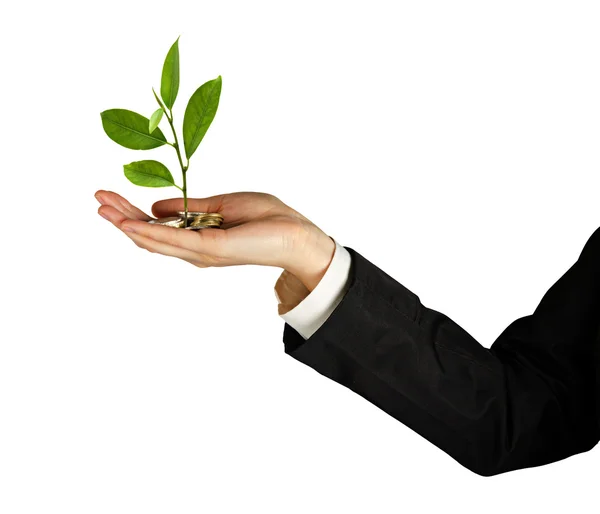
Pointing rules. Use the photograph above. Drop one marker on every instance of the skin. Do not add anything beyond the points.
(258, 228)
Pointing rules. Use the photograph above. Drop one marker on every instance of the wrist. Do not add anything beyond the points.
(311, 256)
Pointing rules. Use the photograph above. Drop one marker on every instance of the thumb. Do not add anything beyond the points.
(171, 206)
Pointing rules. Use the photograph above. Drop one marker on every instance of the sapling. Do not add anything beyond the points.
(134, 131)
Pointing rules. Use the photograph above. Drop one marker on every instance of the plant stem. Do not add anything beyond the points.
(169, 115)
(183, 167)
(185, 197)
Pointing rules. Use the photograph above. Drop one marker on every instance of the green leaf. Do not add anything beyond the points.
(155, 120)
(169, 83)
(131, 130)
(199, 113)
(149, 174)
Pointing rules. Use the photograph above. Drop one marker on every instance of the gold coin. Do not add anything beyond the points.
(200, 219)
(204, 225)
(203, 222)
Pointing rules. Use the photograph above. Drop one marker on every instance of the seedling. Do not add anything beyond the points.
(134, 131)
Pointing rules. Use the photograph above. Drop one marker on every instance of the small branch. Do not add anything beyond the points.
(162, 106)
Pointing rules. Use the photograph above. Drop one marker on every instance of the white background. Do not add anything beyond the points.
(453, 144)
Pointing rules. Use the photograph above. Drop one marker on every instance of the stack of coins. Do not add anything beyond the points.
(196, 220)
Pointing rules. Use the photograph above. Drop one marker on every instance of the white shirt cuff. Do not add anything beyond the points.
(313, 311)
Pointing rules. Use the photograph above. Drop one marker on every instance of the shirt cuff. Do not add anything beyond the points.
(306, 310)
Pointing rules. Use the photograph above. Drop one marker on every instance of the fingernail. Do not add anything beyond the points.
(104, 216)
(99, 198)
(128, 228)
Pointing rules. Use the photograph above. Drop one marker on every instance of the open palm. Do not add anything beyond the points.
(258, 228)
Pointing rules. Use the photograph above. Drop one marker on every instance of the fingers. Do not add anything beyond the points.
(154, 246)
(169, 207)
(115, 216)
(119, 203)
(205, 241)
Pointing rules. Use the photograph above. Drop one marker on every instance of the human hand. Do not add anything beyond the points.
(258, 228)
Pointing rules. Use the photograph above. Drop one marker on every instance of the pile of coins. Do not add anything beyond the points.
(196, 220)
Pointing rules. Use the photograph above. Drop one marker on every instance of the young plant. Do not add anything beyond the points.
(137, 132)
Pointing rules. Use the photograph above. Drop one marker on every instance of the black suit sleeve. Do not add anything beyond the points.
(527, 401)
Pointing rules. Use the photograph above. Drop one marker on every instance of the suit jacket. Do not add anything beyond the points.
(530, 399)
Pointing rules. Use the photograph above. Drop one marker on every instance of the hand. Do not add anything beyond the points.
(258, 228)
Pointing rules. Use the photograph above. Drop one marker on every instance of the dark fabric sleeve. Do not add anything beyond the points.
(526, 401)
